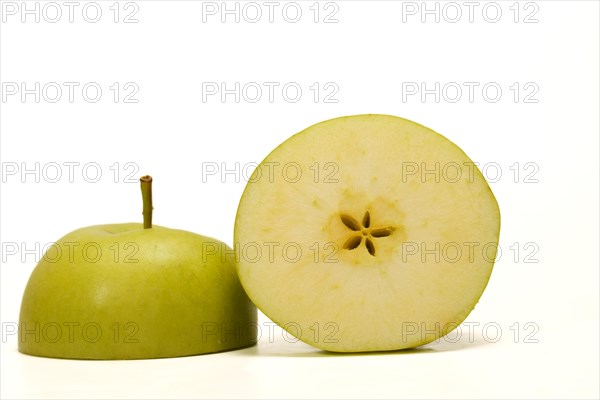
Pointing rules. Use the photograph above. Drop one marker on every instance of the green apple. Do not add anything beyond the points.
(366, 233)
(126, 291)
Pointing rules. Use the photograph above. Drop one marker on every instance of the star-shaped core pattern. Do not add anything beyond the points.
(363, 230)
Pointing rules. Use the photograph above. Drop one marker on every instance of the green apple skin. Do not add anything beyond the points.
(151, 293)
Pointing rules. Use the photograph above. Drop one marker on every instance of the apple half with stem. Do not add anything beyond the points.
(128, 291)
(366, 233)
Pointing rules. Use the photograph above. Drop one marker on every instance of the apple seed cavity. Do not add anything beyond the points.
(365, 230)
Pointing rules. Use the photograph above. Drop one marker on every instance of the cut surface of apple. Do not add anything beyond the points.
(366, 233)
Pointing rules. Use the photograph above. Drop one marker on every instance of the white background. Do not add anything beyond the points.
(371, 55)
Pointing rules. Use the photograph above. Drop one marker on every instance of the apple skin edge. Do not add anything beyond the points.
(123, 292)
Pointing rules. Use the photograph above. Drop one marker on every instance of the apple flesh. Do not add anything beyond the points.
(360, 248)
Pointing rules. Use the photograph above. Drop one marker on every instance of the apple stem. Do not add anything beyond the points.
(146, 185)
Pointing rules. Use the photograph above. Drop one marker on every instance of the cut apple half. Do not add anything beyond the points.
(366, 233)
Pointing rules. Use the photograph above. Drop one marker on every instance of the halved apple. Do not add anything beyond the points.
(366, 233)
